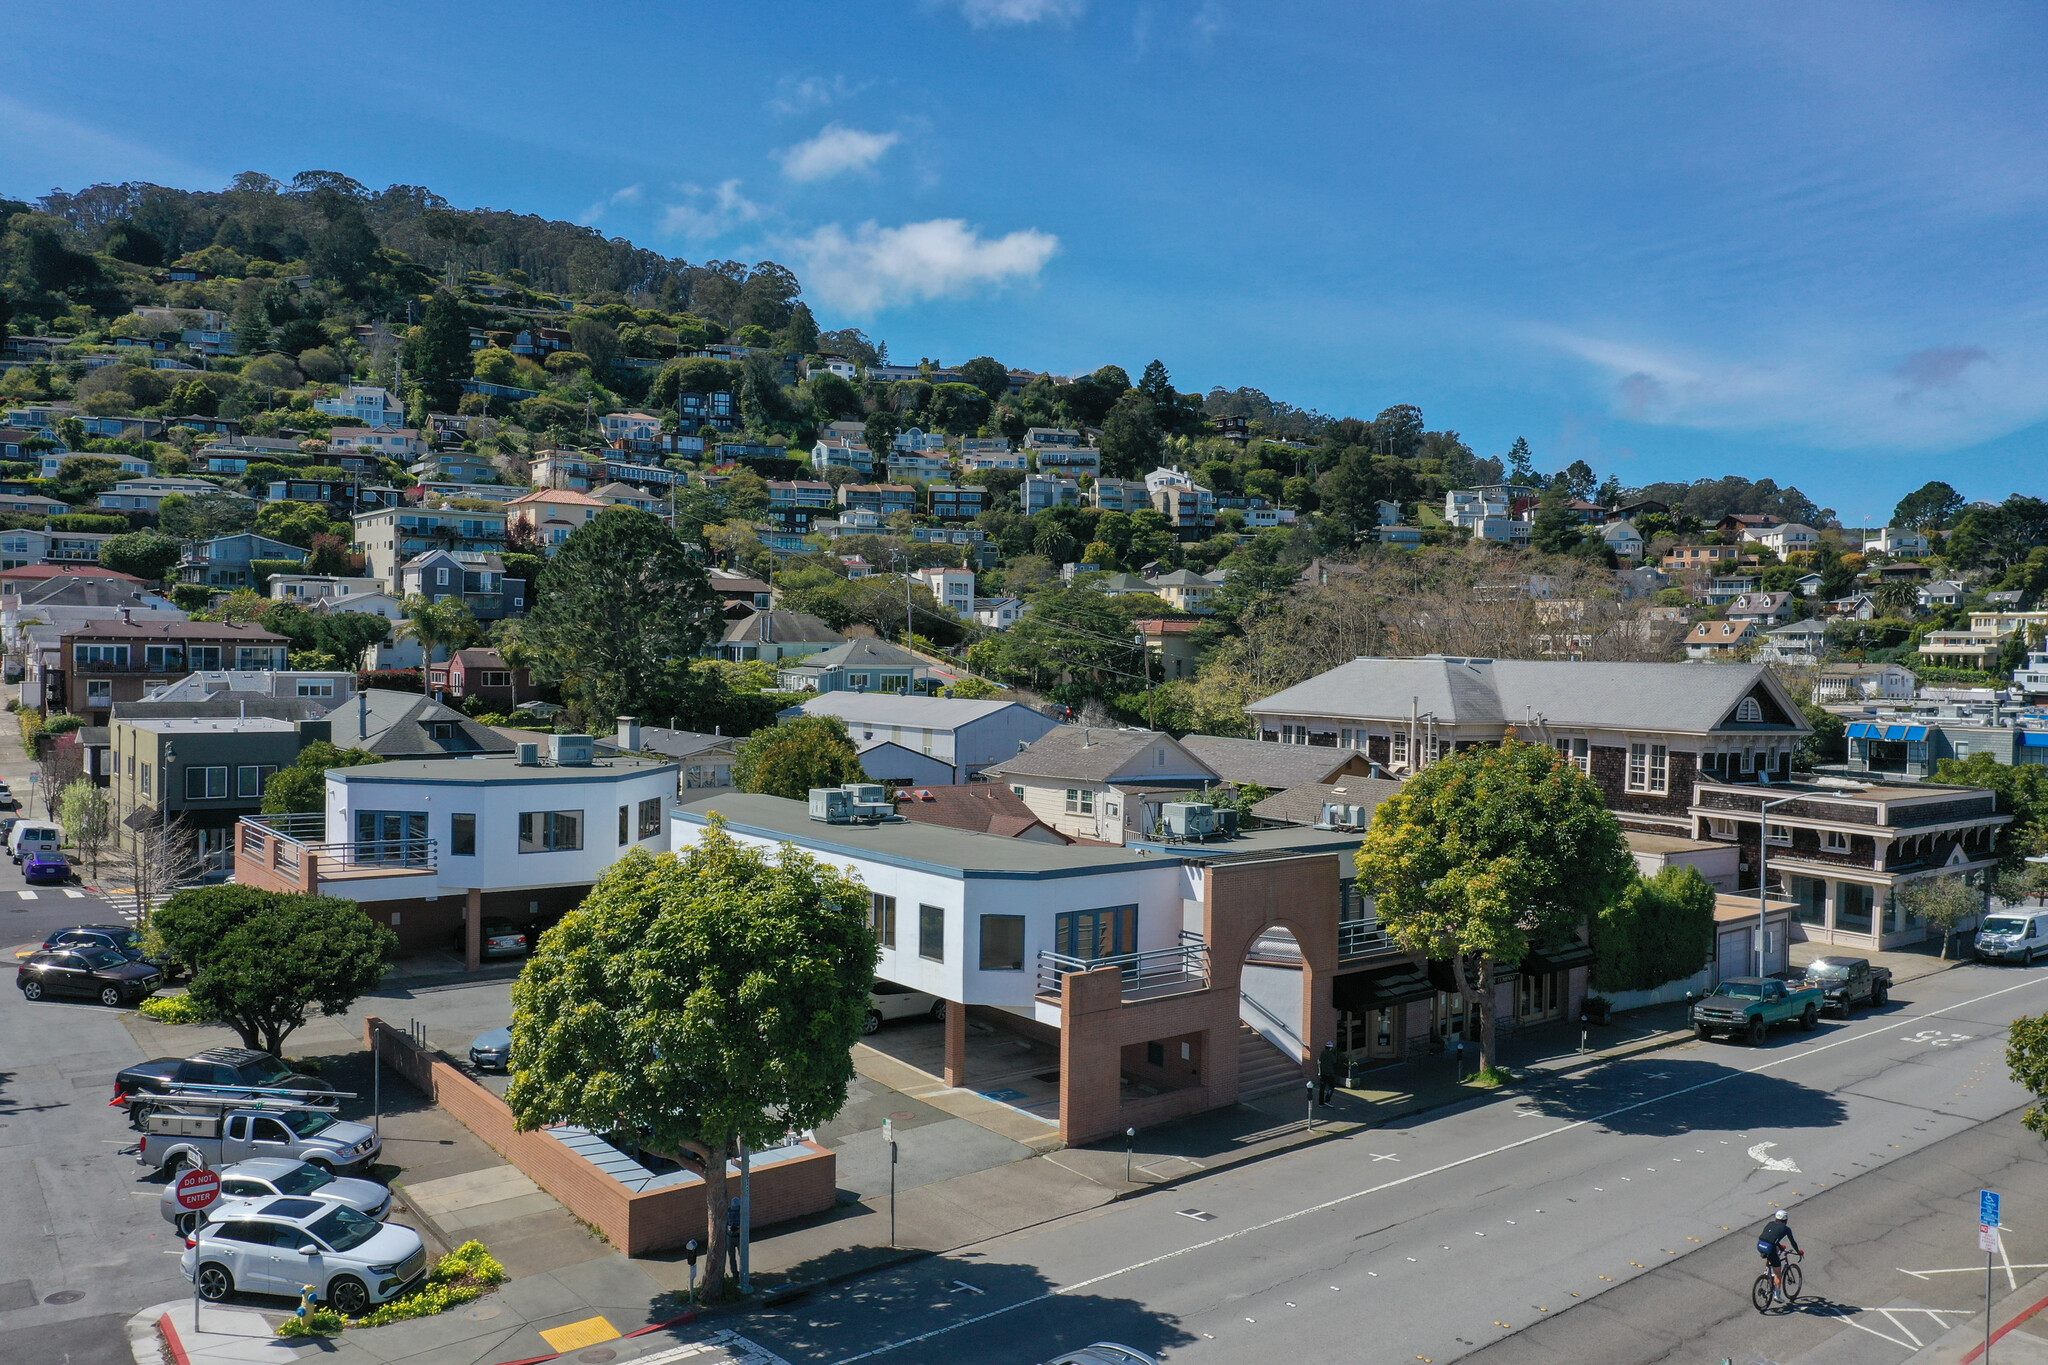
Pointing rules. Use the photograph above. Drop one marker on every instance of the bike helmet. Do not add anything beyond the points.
(1780, 1215)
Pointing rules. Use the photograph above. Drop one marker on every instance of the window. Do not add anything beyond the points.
(1399, 751)
(1777, 834)
(1834, 841)
(882, 919)
(323, 688)
(1019, 792)
(650, 817)
(1660, 774)
(625, 820)
(1576, 753)
(251, 778)
(87, 656)
(1090, 934)
(931, 933)
(203, 658)
(131, 763)
(99, 689)
(390, 835)
(1080, 801)
(145, 779)
(1747, 712)
(206, 784)
(550, 831)
(440, 578)
(1648, 767)
(1721, 829)
(1002, 943)
(462, 834)
(496, 678)
(444, 729)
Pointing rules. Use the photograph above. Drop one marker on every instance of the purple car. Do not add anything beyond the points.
(46, 867)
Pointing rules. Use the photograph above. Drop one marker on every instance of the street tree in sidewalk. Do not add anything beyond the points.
(262, 960)
(88, 824)
(698, 1002)
(1489, 853)
(146, 865)
(1943, 902)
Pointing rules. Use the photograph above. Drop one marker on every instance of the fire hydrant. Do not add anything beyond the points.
(306, 1293)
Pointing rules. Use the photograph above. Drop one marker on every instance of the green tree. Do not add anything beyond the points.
(88, 825)
(623, 608)
(1929, 507)
(1944, 902)
(971, 688)
(1554, 531)
(2026, 1058)
(348, 635)
(1130, 436)
(301, 789)
(987, 374)
(438, 356)
(2022, 789)
(880, 432)
(262, 960)
(203, 516)
(149, 555)
(1657, 930)
(1486, 854)
(790, 758)
(439, 623)
(698, 1003)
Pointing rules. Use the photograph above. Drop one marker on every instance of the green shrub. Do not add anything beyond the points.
(172, 1009)
(63, 725)
(463, 1274)
(319, 1322)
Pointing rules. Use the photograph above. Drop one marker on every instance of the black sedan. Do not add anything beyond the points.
(95, 973)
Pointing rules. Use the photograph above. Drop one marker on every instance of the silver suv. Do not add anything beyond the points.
(280, 1245)
(267, 1176)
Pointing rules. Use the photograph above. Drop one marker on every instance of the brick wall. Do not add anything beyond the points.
(636, 1222)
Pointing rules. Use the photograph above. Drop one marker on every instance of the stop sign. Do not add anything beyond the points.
(197, 1188)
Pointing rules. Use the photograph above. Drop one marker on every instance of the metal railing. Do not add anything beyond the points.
(1357, 937)
(1156, 971)
(1275, 1020)
(296, 835)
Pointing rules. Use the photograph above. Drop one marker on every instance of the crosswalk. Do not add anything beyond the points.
(70, 891)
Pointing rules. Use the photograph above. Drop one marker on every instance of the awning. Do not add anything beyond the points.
(1395, 984)
(1562, 958)
(2033, 739)
(1864, 729)
(1441, 978)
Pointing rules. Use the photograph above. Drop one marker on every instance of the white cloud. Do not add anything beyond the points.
(630, 195)
(834, 151)
(990, 13)
(727, 209)
(872, 267)
(801, 94)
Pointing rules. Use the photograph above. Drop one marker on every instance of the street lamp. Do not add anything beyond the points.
(1763, 874)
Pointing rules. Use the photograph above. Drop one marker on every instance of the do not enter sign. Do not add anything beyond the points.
(197, 1188)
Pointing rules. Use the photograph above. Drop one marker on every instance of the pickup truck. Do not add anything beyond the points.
(1749, 1005)
(221, 1071)
(1846, 982)
(174, 1139)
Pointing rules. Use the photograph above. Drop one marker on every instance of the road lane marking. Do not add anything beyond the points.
(26, 895)
(1772, 1163)
(1409, 1179)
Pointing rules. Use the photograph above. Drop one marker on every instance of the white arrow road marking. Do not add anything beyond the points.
(1771, 1163)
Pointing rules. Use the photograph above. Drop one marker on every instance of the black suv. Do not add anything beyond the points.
(228, 1071)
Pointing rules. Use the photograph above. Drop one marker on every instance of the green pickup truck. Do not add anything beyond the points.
(1749, 1005)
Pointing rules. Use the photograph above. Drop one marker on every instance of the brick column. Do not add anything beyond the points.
(956, 1043)
(473, 931)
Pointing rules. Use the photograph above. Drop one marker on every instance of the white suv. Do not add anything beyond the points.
(281, 1245)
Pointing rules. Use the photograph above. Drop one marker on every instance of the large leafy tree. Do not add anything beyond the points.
(148, 555)
(1130, 436)
(261, 961)
(791, 758)
(1929, 507)
(1658, 929)
(438, 354)
(623, 608)
(302, 788)
(2022, 789)
(1486, 854)
(697, 1002)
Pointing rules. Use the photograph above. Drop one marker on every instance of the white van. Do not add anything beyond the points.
(32, 836)
(2013, 936)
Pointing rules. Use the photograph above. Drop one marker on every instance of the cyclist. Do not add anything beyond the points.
(1770, 1244)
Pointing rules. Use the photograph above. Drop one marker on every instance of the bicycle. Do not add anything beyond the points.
(1760, 1292)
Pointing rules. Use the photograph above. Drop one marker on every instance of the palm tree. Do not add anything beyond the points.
(436, 623)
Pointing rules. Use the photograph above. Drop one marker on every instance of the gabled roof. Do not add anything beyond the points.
(1278, 766)
(984, 807)
(481, 656)
(861, 654)
(1182, 578)
(180, 630)
(780, 627)
(893, 708)
(567, 495)
(659, 739)
(1497, 693)
(1303, 805)
(396, 724)
(1085, 753)
(1720, 632)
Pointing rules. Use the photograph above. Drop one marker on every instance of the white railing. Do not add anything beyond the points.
(1157, 971)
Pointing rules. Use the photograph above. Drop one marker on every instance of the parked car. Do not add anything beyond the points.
(263, 1177)
(277, 1246)
(492, 1051)
(1750, 1005)
(233, 1071)
(1846, 982)
(29, 835)
(887, 1000)
(121, 938)
(7, 824)
(96, 973)
(500, 938)
(1104, 1353)
(46, 867)
(2013, 936)
(8, 800)
(173, 1138)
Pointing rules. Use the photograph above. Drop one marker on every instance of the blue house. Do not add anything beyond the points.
(224, 561)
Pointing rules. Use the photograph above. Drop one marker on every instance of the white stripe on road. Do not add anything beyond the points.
(74, 893)
(1880, 1027)
(26, 895)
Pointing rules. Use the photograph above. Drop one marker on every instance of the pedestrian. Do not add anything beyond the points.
(1328, 1069)
(732, 1238)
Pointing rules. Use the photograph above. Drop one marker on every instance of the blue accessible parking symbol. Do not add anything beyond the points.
(1987, 1208)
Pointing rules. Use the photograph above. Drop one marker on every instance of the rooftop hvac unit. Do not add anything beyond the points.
(869, 793)
(854, 803)
(527, 754)
(1226, 821)
(572, 751)
(1337, 815)
(1189, 819)
(833, 805)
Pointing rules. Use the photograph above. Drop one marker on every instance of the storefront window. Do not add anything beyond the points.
(1853, 905)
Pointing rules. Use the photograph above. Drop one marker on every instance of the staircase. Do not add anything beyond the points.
(1263, 1069)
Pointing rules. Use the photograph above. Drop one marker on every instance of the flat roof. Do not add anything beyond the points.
(915, 844)
(499, 769)
(209, 725)
(1666, 843)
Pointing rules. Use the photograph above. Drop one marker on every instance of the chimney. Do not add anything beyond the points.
(126, 618)
(629, 734)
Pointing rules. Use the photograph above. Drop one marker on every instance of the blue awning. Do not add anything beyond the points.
(2034, 739)
(1863, 729)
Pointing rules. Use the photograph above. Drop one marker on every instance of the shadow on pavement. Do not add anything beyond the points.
(1662, 1105)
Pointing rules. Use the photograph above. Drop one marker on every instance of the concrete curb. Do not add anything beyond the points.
(147, 1338)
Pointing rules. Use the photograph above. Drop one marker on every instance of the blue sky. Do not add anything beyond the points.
(1677, 241)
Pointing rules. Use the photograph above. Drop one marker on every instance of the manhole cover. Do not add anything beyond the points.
(901, 1114)
(598, 1355)
(483, 1312)
(66, 1296)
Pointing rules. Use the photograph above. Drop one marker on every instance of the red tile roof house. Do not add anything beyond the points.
(483, 673)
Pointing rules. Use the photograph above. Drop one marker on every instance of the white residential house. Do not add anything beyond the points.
(1943, 593)
(1042, 491)
(403, 444)
(302, 587)
(998, 613)
(1468, 508)
(1802, 643)
(833, 364)
(630, 426)
(835, 451)
(147, 495)
(1786, 538)
(1108, 785)
(973, 460)
(1719, 639)
(1767, 609)
(1897, 542)
(1809, 585)
(1623, 538)
(1866, 682)
(365, 405)
(1120, 495)
(953, 588)
(962, 736)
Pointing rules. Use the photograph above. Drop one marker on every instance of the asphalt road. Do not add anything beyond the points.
(85, 1244)
(1434, 1242)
